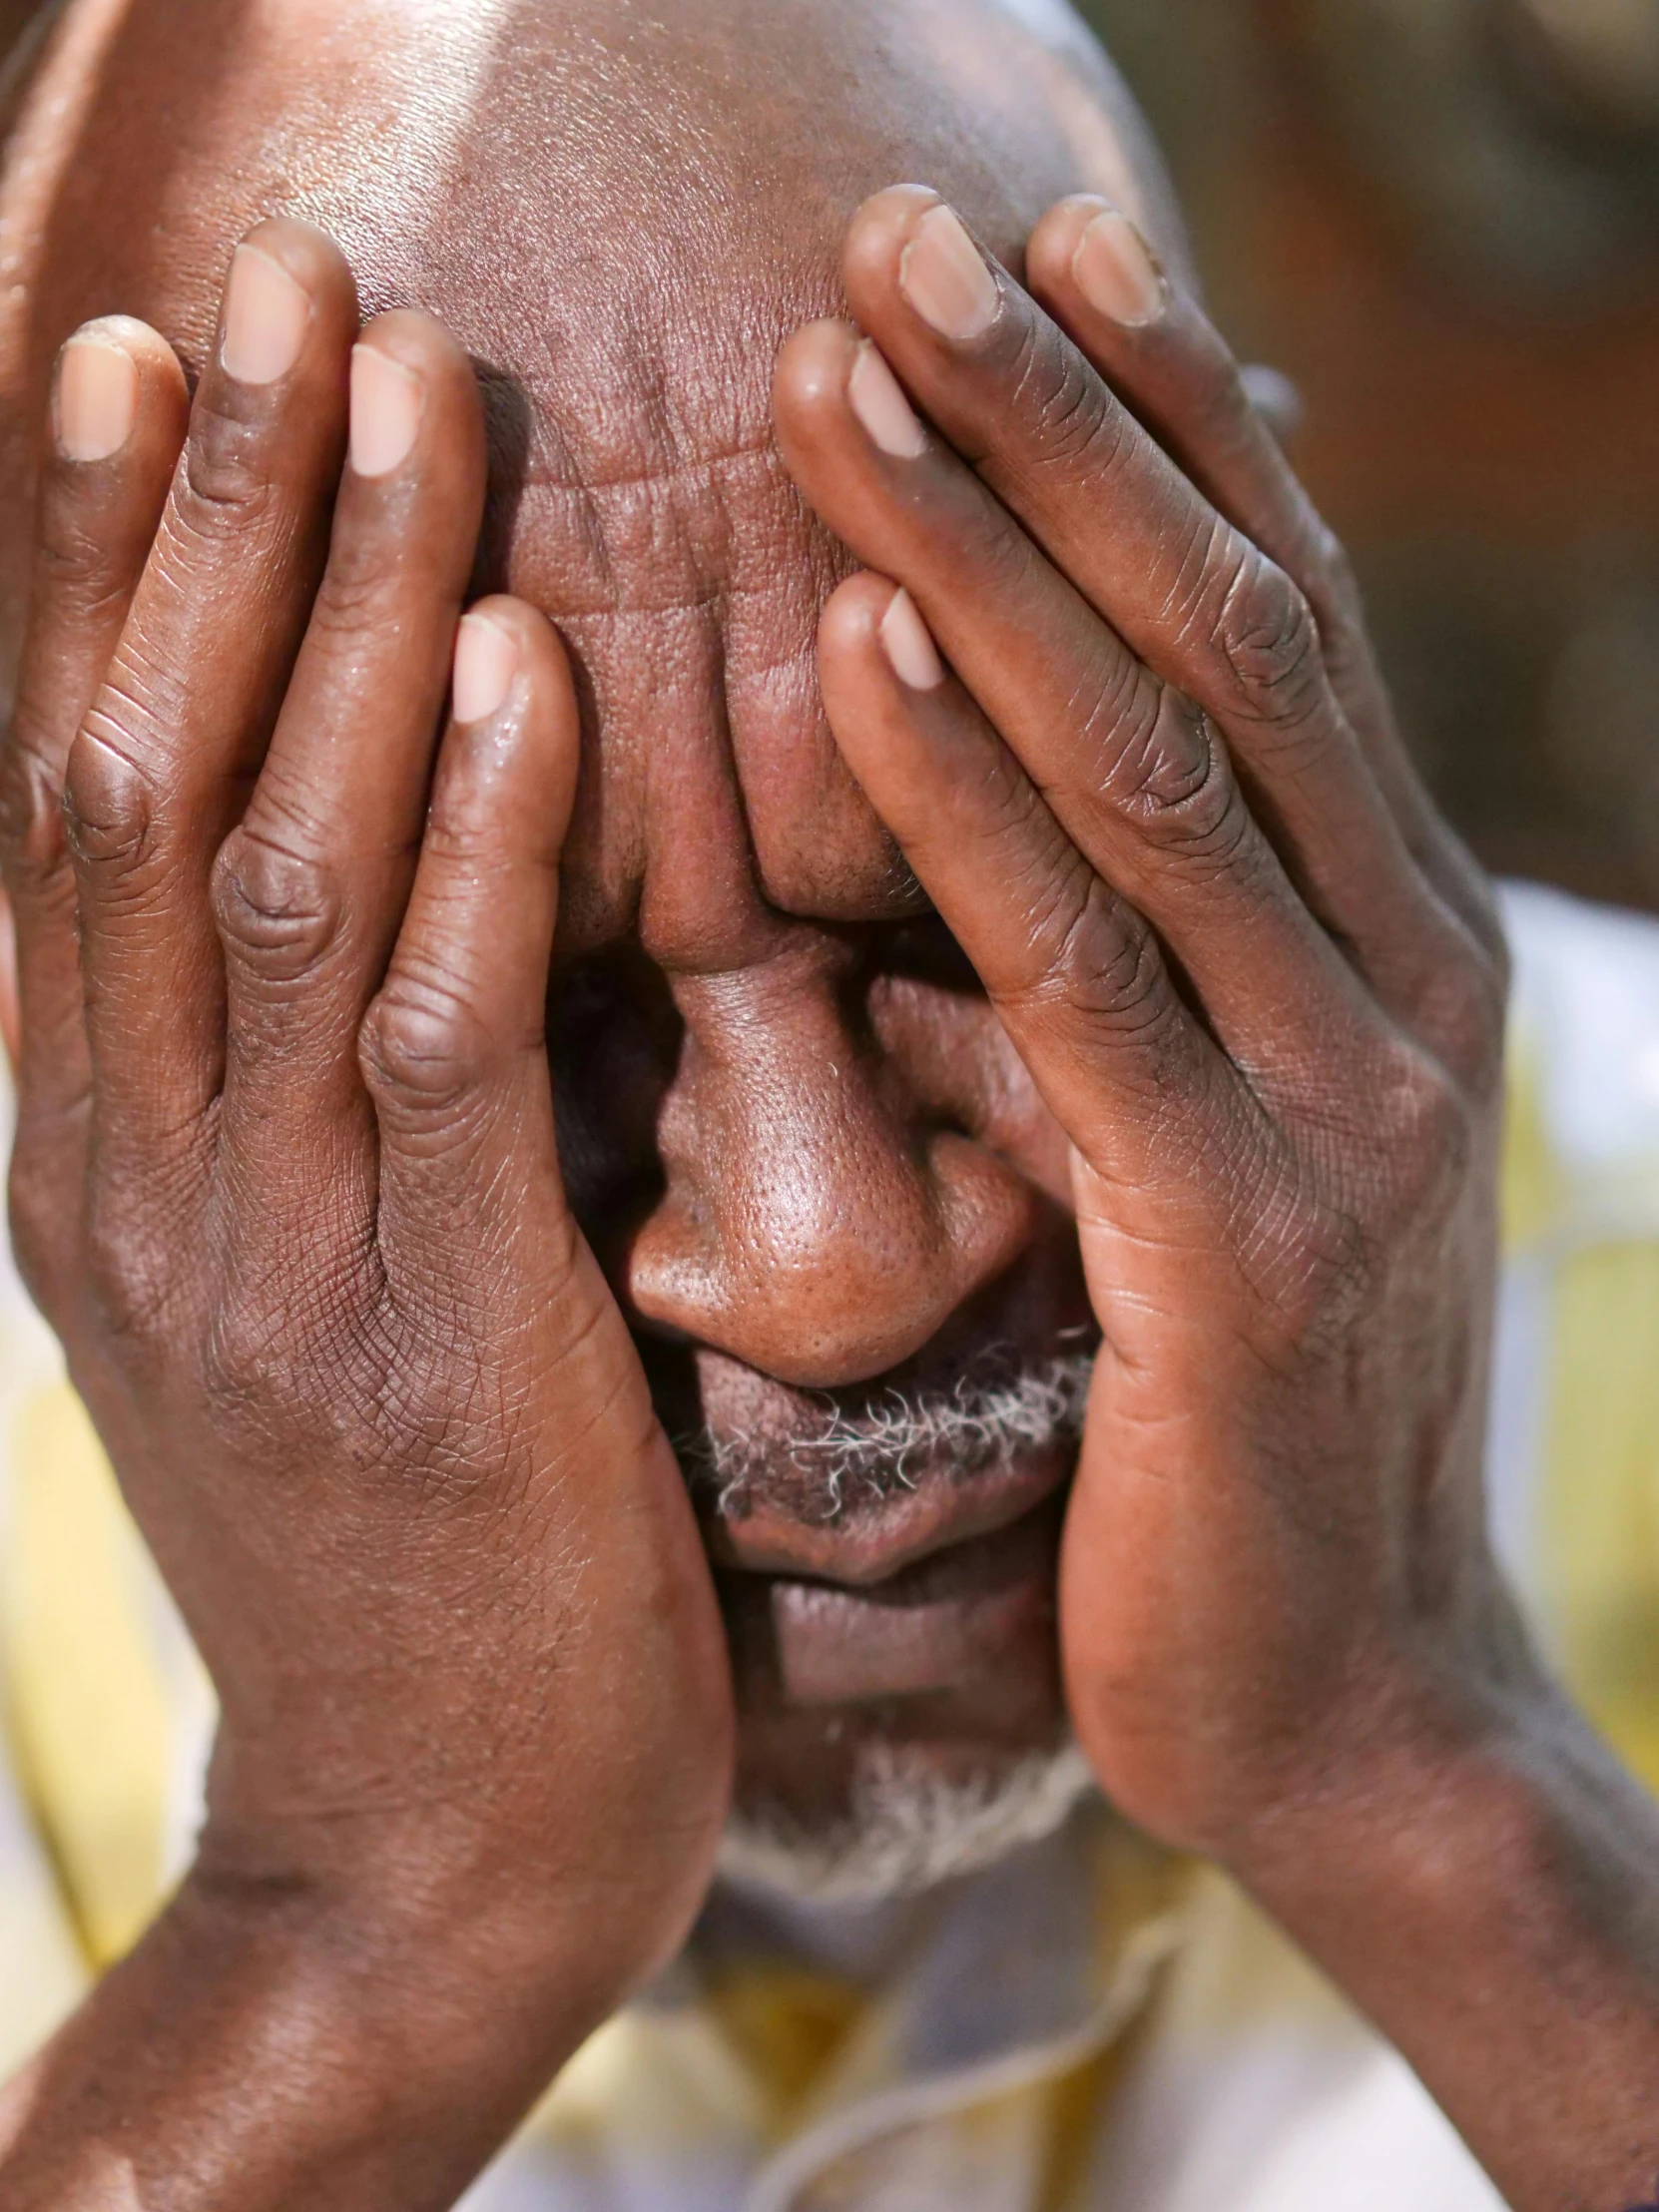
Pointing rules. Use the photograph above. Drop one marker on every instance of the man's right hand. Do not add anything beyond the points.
(285, 1183)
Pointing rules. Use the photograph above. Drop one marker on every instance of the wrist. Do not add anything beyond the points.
(1408, 1804)
(1431, 1739)
(398, 1915)
(1479, 1883)
(272, 2044)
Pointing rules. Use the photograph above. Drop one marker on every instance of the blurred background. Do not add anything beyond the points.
(1441, 218)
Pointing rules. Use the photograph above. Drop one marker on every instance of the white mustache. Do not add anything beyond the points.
(991, 1416)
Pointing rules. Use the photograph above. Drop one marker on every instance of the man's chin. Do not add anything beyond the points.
(909, 1820)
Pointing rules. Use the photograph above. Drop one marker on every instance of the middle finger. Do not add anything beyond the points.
(163, 762)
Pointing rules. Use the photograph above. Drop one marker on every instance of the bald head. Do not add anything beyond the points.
(622, 211)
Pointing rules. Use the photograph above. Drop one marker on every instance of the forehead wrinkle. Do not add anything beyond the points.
(723, 541)
(646, 541)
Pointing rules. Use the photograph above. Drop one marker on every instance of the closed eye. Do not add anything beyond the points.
(923, 951)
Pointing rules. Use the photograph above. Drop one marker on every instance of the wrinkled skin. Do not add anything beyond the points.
(1116, 978)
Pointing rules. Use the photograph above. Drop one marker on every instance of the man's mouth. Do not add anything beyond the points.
(959, 1614)
(895, 1539)
(897, 1545)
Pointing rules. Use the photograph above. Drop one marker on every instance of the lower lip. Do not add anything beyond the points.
(960, 1616)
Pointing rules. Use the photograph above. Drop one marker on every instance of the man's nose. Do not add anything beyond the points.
(815, 1222)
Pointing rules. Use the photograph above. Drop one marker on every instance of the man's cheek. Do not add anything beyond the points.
(954, 1056)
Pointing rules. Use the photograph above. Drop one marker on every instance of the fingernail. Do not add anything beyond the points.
(908, 645)
(486, 662)
(942, 274)
(880, 405)
(266, 314)
(387, 402)
(1118, 274)
(97, 397)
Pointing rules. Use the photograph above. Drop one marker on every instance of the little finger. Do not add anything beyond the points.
(119, 410)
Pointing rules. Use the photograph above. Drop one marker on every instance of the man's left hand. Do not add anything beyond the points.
(1158, 798)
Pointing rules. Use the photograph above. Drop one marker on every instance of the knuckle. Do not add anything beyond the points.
(1096, 959)
(1268, 639)
(239, 1362)
(365, 568)
(424, 1051)
(1171, 773)
(75, 566)
(1151, 747)
(1380, 1171)
(1307, 1245)
(43, 1231)
(31, 810)
(277, 911)
(224, 483)
(1005, 800)
(1430, 1137)
(1465, 1018)
(251, 1361)
(1167, 773)
(988, 544)
(1079, 429)
(131, 1278)
(109, 807)
(294, 1348)
(1316, 1281)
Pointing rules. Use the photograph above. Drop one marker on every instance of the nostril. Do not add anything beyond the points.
(822, 1214)
(827, 1267)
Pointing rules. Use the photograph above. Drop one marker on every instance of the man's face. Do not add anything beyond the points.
(826, 1191)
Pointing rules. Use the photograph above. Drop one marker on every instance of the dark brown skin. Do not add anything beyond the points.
(286, 1180)
(832, 1168)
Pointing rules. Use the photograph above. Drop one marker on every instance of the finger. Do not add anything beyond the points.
(1187, 858)
(1077, 976)
(453, 1047)
(119, 411)
(1194, 599)
(1135, 774)
(312, 885)
(1193, 596)
(165, 759)
(1093, 271)
(1275, 398)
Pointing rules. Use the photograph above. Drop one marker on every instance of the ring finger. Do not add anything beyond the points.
(311, 885)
